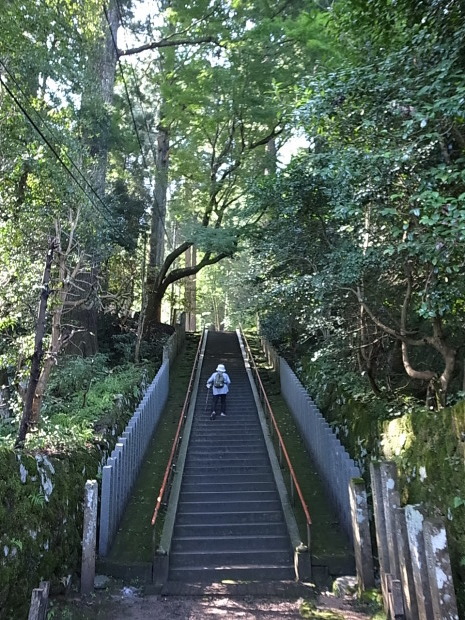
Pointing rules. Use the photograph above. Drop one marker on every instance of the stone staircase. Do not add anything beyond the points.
(229, 522)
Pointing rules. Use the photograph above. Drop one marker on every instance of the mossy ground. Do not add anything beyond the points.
(328, 539)
(133, 542)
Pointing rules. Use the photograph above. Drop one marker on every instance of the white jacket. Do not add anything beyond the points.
(224, 389)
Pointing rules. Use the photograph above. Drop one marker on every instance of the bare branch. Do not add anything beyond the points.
(167, 43)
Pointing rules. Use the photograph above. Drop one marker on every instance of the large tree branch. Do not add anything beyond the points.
(274, 133)
(184, 272)
(167, 43)
(169, 260)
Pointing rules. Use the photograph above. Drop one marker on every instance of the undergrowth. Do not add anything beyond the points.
(82, 398)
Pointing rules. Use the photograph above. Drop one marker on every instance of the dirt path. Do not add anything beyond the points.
(128, 604)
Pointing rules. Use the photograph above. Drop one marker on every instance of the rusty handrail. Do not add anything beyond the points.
(182, 419)
(282, 447)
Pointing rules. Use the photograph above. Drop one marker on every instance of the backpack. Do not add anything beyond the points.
(219, 380)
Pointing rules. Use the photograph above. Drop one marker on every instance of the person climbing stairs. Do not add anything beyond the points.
(229, 522)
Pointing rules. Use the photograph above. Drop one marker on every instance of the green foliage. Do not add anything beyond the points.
(76, 375)
(85, 396)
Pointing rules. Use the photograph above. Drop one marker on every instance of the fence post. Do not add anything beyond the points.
(39, 602)
(415, 516)
(391, 500)
(106, 507)
(405, 565)
(89, 537)
(380, 527)
(439, 570)
(362, 538)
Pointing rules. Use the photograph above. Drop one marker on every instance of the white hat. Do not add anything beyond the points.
(220, 368)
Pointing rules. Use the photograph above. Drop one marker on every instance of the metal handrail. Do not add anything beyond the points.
(170, 467)
(282, 447)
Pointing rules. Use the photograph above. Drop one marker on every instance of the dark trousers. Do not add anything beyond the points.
(216, 399)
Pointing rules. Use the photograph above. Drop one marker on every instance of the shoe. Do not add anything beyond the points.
(213, 415)
(223, 415)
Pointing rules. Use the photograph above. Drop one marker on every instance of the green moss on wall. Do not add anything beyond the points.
(428, 447)
(41, 513)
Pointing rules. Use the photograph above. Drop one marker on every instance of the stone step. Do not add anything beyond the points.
(205, 441)
(223, 559)
(233, 425)
(231, 460)
(198, 544)
(228, 496)
(221, 518)
(202, 487)
(218, 450)
(228, 478)
(214, 435)
(229, 506)
(228, 529)
(218, 468)
(238, 573)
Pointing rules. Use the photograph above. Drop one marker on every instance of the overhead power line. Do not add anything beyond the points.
(56, 154)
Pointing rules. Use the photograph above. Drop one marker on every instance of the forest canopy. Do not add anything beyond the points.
(145, 180)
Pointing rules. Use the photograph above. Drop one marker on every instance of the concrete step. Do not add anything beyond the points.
(216, 451)
(210, 487)
(228, 529)
(199, 544)
(229, 506)
(225, 559)
(228, 478)
(228, 496)
(238, 573)
(231, 460)
(234, 443)
(221, 518)
(219, 468)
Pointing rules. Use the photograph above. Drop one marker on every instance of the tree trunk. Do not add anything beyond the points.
(4, 394)
(36, 361)
(191, 292)
(97, 101)
(143, 304)
(157, 229)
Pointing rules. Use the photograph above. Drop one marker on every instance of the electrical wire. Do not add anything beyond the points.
(61, 160)
(108, 212)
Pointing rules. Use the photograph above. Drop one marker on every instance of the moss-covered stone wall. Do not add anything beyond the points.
(429, 449)
(41, 513)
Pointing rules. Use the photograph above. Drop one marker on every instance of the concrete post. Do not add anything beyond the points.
(415, 516)
(380, 527)
(391, 500)
(105, 508)
(439, 570)
(39, 602)
(395, 604)
(89, 537)
(405, 565)
(361, 534)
